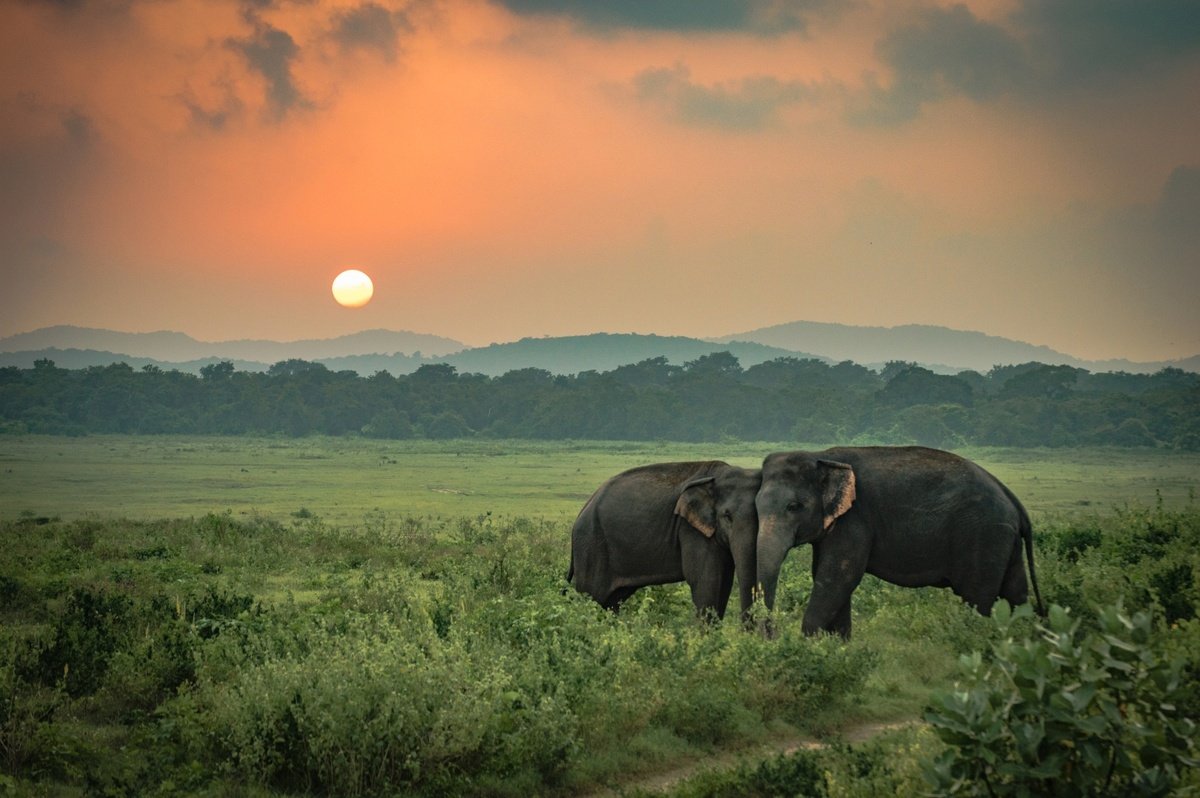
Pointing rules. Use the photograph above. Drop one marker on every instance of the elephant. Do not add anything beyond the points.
(909, 515)
(669, 522)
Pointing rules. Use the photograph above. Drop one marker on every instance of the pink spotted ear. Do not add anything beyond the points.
(838, 493)
(697, 506)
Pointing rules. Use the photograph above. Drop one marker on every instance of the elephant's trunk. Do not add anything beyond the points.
(745, 565)
(773, 546)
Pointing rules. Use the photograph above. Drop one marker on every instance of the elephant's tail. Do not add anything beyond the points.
(1026, 530)
(570, 572)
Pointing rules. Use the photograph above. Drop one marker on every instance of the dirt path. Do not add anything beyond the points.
(663, 780)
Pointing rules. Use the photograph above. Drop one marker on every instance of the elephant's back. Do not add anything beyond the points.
(936, 481)
(646, 494)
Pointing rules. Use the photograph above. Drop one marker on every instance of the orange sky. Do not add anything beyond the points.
(1027, 169)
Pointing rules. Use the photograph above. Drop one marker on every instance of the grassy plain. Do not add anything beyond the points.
(252, 602)
(343, 479)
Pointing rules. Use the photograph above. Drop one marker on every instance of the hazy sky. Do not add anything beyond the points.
(527, 167)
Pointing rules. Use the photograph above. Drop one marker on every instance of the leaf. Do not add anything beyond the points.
(1059, 618)
(1093, 753)
(1093, 724)
(1081, 697)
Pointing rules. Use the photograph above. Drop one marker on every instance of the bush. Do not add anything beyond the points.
(29, 737)
(375, 708)
(1064, 713)
(886, 765)
(85, 638)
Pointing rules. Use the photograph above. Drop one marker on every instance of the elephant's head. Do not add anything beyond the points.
(722, 507)
(800, 499)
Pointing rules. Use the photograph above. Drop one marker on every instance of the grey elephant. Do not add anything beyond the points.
(909, 515)
(688, 522)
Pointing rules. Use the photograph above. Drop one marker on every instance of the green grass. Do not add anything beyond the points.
(360, 554)
(338, 479)
(342, 480)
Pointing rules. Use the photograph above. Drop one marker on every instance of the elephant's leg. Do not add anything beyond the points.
(838, 567)
(616, 597)
(841, 622)
(708, 570)
(1015, 587)
(982, 567)
(725, 589)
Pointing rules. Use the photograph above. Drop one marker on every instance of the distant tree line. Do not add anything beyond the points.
(707, 399)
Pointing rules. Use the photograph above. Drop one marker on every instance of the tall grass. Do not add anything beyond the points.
(439, 659)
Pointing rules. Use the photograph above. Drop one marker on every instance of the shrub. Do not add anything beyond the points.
(886, 765)
(1065, 713)
(793, 677)
(29, 737)
(798, 773)
(85, 638)
(375, 708)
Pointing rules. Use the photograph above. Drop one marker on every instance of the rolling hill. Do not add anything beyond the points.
(175, 347)
(602, 352)
(938, 348)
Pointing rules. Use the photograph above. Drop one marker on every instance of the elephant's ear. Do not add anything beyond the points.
(837, 489)
(697, 505)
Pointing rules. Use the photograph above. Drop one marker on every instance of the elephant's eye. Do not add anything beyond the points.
(728, 515)
(794, 507)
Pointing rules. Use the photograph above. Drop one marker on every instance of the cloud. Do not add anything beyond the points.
(370, 27)
(751, 104)
(54, 151)
(270, 52)
(762, 17)
(945, 51)
(68, 5)
(1177, 214)
(1044, 49)
(210, 117)
(80, 130)
(1082, 43)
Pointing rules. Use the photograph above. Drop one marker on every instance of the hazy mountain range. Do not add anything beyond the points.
(939, 348)
(177, 347)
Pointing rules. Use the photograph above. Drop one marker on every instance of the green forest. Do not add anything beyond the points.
(712, 398)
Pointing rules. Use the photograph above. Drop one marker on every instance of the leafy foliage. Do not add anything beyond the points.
(426, 654)
(435, 656)
(1066, 712)
(886, 765)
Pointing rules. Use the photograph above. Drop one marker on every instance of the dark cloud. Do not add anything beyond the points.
(80, 130)
(88, 7)
(1154, 245)
(39, 172)
(751, 104)
(944, 51)
(370, 27)
(270, 52)
(1177, 216)
(1083, 43)
(66, 5)
(1043, 50)
(764, 17)
(214, 118)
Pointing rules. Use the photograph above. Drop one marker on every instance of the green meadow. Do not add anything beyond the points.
(339, 616)
(343, 479)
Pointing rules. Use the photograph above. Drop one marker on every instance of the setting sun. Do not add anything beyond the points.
(352, 288)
